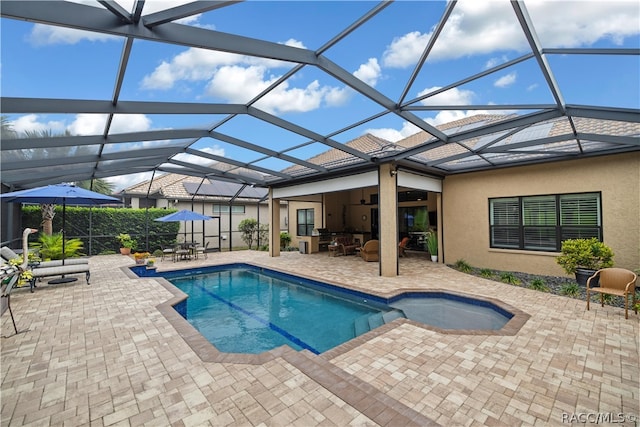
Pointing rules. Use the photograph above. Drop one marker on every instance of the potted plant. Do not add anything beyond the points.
(126, 243)
(141, 257)
(285, 240)
(583, 257)
(432, 245)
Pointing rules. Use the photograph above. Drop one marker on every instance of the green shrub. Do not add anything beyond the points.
(590, 254)
(486, 273)
(508, 277)
(463, 266)
(285, 239)
(50, 247)
(105, 223)
(539, 284)
(570, 289)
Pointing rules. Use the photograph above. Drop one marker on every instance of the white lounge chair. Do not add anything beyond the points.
(51, 268)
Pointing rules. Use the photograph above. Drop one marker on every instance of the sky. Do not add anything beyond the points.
(52, 62)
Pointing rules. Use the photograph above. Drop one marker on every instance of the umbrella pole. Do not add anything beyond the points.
(63, 279)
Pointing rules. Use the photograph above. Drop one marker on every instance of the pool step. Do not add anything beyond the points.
(390, 316)
(368, 322)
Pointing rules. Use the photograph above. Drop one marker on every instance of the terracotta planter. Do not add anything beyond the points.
(125, 251)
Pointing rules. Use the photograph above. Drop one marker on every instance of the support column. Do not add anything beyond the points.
(388, 222)
(274, 225)
(439, 227)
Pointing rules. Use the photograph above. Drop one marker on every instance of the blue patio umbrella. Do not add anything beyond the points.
(59, 194)
(183, 215)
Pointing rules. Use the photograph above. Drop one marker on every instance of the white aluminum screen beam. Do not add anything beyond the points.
(331, 185)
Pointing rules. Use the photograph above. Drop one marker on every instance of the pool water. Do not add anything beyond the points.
(245, 311)
(241, 308)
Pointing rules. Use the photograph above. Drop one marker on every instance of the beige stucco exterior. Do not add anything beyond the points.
(465, 213)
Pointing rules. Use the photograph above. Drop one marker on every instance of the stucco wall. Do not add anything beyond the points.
(466, 209)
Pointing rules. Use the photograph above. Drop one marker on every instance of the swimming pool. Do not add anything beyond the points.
(241, 308)
(245, 310)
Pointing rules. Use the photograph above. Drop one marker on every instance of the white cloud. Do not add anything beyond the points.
(369, 72)
(405, 50)
(532, 87)
(83, 124)
(238, 79)
(484, 27)
(31, 123)
(394, 135)
(93, 124)
(284, 99)
(453, 96)
(238, 84)
(192, 65)
(44, 35)
(492, 62)
(121, 182)
(337, 96)
(198, 160)
(506, 80)
(450, 116)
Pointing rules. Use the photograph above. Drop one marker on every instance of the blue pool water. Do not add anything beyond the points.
(246, 309)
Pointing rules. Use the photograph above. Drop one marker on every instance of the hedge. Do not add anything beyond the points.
(106, 223)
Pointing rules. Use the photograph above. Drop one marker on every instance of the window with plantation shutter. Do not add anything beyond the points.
(505, 222)
(580, 216)
(541, 223)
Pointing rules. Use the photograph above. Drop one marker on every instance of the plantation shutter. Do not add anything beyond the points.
(505, 222)
(580, 216)
(539, 222)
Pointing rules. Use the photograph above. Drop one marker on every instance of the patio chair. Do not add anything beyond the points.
(202, 250)
(615, 281)
(168, 252)
(402, 246)
(369, 251)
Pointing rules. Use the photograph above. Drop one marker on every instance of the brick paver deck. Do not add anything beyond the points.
(112, 354)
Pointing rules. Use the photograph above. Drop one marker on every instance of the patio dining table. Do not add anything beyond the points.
(185, 250)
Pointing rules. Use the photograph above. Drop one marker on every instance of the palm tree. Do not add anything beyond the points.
(7, 128)
(97, 184)
(48, 210)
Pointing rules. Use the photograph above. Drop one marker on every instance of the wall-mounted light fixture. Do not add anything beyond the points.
(393, 172)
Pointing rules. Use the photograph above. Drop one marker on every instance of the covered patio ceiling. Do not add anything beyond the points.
(258, 135)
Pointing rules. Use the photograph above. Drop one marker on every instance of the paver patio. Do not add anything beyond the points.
(106, 355)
